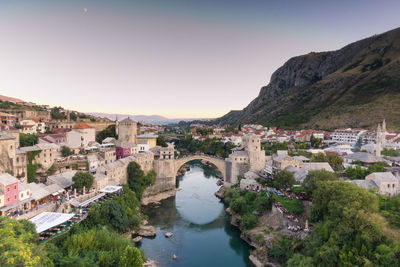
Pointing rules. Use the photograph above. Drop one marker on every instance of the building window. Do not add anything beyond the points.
(15, 187)
(388, 185)
(15, 197)
(22, 195)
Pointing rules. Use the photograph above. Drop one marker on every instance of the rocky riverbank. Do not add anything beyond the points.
(182, 170)
(270, 227)
(160, 196)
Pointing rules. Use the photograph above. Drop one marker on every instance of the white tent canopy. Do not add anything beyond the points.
(110, 189)
(47, 220)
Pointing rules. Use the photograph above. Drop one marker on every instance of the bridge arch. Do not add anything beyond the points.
(218, 162)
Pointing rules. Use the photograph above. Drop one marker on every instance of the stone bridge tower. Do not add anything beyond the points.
(127, 131)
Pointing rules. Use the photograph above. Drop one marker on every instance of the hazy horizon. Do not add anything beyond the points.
(177, 59)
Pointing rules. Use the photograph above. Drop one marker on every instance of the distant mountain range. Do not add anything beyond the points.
(356, 86)
(144, 118)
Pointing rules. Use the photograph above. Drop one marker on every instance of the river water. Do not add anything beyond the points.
(202, 234)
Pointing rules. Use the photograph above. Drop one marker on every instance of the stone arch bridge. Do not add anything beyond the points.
(218, 162)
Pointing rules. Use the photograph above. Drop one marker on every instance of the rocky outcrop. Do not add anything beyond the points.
(147, 231)
(355, 86)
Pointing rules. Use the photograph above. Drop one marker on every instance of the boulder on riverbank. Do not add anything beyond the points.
(168, 234)
(220, 193)
(137, 239)
(147, 231)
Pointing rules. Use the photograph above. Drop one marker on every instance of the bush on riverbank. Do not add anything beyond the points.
(95, 247)
(137, 180)
(246, 204)
(121, 213)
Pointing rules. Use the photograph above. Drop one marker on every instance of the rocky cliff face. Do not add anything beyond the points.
(356, 86)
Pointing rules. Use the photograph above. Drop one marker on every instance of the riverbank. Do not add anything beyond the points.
(155, 199)
(271, 226)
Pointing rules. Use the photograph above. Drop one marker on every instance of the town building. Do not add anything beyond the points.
(80, 136)
(348, 136)
(150, 139)
(386, 183)
(7, 119)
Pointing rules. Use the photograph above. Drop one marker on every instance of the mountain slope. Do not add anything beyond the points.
(356, 86)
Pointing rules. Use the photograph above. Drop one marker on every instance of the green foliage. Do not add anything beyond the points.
(121, 213)
(107, 132)
(316, 142)
(348, 231)
(283, 249)
(66, 151)
(314, 177)
(98, 247)
(56, 114)
(204, 131)
(82, 179)
(358, 172)
(390, 152)
(209, 146)
(27, 139)
(32, 168)
(291, 205)
(389, 207)
(246, 203)
(52, 169)
(161, 141)
(137, 180)
(284, 179)
(272, 148)
(18, 244)
(249, 221)
(319, 157)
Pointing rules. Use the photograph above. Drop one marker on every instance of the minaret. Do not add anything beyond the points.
(68, 115)
(116, 124)
(378, 141)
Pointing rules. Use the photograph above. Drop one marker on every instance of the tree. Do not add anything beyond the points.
(82, 179)
(65, 151)
(358, 145)
(312, 179)
(315, 142)
(263, 202)
(137, 180)
(161, 141)
(27, 139)
(107, 132)
(284, 179)
(390, 152)
(319, 157)
(335, 161)
(18, 244)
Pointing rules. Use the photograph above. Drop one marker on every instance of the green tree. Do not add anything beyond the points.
(161, 141)
(316, 142)
(65, 151)
(284, 179)
(319, 157)
(27, 139)
(390, 152)
(137, 180)
(131, 258)
(82, 179)
(18, 244)
(312, 179)
(107, 132)
(335, 161)
(238, 205)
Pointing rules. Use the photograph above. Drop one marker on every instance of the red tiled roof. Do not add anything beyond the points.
(33, 119)
(81, 126)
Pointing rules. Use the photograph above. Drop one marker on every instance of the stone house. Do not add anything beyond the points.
(80, 136)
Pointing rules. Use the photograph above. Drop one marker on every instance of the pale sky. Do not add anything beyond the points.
(176, 58)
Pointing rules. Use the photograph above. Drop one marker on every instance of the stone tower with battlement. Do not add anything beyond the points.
(127, 131)
(380, 138)
(252, 145)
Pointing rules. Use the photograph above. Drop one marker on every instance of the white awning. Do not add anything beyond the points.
(90, 200)
(110, 189)
(47, 220)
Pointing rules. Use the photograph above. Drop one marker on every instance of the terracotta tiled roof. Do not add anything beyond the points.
(81, 126)
(33, 119)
